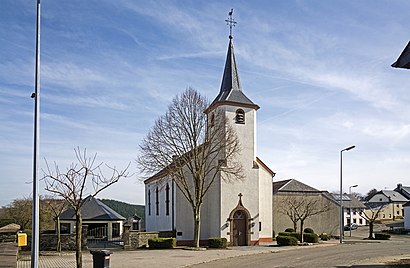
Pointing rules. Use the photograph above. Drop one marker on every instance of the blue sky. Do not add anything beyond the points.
(319, 70)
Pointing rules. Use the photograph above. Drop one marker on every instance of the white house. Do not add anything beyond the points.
(240, 211)
(393, 202)
(407, 215)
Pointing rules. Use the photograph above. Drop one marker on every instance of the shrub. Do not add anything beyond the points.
(161, 243)
(217, 242)
(289, 230)
(292, 234)
(310, 238)
(324, 236)
(284, 233)
(380, 236)
(309, 231)
(286, 240)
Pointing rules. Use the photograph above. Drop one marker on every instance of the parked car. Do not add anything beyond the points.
(351, 226)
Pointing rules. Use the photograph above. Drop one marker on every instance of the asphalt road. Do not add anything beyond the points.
(350, 254)
(346, 255)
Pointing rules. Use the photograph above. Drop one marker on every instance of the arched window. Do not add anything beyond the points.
(157, 200)
(149, 202)
(240, 116)
(167, 200)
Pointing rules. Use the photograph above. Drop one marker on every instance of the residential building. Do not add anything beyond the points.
(407, 215)
(393, 202)
(351, 203)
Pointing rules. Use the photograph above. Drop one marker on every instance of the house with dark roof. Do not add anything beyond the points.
(393, 202)
(102, 222)
(353, 209)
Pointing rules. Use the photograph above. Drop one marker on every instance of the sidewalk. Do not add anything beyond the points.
(169, 258)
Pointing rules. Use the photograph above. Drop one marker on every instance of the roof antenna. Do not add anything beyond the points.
(231, 22)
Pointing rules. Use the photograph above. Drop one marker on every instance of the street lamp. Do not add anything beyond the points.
(350, 206)
(341, 193)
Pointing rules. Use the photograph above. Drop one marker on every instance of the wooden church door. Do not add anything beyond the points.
(239, 228)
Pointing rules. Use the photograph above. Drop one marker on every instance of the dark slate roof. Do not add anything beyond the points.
(93, 209)
(404, 190)
(230, 87)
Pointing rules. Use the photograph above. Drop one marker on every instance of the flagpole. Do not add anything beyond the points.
(36, 213)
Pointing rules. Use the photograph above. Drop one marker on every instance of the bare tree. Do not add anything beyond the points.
(54, 207)
(191, 150)
(370, 194)
(71, 185)
(285, 209)
(302, 207)
(371, 214)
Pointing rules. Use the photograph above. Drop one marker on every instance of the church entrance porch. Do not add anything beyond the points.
(239, 228)
(239, 219)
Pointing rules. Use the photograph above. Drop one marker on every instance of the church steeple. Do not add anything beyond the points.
(231, 91)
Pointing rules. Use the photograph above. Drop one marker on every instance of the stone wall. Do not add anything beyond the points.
(139, 239)
(49, 241)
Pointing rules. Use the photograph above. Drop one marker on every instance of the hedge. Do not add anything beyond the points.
(292, 234)
(308, 230)
(379, 236)
(162, 243)
(289, 230)
(310, 238)
(286, 240)
(217, 242)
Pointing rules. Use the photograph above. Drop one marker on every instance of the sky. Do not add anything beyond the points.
(319, 70)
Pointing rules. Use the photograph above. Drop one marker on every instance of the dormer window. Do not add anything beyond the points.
(240, 116)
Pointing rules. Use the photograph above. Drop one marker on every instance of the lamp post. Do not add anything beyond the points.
(35, 236)
(341, 192)
(350, 206)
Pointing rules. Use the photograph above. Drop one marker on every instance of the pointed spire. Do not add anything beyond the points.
(230, 78)
(231, 91)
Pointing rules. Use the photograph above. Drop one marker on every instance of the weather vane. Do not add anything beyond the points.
(231, 22)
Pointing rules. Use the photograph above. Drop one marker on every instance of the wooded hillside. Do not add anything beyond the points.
(125, 209)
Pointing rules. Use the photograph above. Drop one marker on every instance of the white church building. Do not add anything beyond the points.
(240, 211)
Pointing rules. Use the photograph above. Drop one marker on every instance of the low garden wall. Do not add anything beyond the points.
(139, 239)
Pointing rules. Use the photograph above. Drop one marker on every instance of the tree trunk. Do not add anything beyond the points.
(370, 230)
(197, 226)
(78, 230)
(295, 226)
(58, 235)
(301, 231)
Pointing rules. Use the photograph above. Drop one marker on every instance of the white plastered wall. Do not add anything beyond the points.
(161, 222)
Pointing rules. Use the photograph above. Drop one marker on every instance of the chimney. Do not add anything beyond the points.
(399, 186)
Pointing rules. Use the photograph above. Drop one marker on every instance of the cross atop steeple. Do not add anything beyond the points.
(231, 22)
